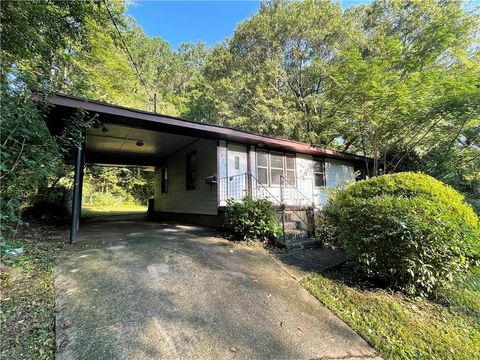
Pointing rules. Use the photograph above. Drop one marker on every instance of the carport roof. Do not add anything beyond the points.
(117, 145)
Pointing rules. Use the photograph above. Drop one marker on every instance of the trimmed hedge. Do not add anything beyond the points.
(407, 229)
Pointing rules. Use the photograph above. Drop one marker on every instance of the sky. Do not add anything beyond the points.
(193, 21)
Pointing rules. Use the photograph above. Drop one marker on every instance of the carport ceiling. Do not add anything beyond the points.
(117, 144)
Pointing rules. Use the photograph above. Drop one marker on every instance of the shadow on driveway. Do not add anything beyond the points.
(146, 290)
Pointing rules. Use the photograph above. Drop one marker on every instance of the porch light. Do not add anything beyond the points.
(260, 144)
(139, 142)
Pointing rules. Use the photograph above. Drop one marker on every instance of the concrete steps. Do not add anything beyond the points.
(297, 236)
(298, 239)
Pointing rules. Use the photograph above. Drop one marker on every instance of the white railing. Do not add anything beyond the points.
(236, 187)
(293, 196)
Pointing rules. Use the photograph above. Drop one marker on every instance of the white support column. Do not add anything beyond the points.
(221, 171)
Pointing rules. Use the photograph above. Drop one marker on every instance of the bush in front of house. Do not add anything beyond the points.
(252, 220)
(407, 229)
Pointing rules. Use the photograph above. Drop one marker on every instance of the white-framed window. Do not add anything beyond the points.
(319, 172)
(262, 167)
(277, 168)
(272, 165)
(290, 168)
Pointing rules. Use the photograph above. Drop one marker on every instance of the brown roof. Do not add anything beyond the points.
(62, 105)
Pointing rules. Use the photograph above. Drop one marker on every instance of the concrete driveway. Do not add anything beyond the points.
(146, 290)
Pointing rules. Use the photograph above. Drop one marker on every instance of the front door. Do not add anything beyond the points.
(237, 168)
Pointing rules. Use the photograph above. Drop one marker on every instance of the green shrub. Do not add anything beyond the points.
(407, 229)
(326, 231)
(251, 219)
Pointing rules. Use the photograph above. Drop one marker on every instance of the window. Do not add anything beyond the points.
(319, 172)
(271, 166)
(192, 170)
(290, 165)
(276, 168)
(164, 180)
(359, 170)
(237, 163)
(262, 167)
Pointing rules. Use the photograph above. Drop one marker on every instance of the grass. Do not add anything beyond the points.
(121, 209)
(402, 328)
(27, 294)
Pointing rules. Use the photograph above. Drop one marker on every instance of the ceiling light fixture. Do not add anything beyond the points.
(139, 143)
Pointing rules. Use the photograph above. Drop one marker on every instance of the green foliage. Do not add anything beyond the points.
(251, 219)
(29, 156)
(399, 327)
(407, 229)
(371, 79)
(116, 185)
(27, 312)
(325, 230)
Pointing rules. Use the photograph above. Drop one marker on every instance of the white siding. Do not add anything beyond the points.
(222, 159)
(202, 200)
(338, 173)
(304, 166)
(253, 160)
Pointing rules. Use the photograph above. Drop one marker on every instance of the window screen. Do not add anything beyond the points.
(290, 168)
(191, 170)
(262, 167)
(276, 168)
(319, 172)
(271, 166)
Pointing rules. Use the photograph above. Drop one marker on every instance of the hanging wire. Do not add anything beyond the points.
(131, 57)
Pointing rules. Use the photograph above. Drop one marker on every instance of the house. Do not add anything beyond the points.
(199, 166)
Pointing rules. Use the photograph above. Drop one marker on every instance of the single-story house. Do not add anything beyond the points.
(198, 166)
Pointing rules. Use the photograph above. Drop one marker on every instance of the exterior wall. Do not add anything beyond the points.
(203, 199)
(213, 159)
(304, 168)
(337, 174)
(232, 182)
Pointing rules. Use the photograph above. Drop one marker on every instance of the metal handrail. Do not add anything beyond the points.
(258, 183)
(264, 188)
(283, 179)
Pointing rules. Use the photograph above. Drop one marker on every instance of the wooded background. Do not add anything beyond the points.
(395, 80)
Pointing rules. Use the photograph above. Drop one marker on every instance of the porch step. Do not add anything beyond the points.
(293, 225)
(303, 243)
(296, 239)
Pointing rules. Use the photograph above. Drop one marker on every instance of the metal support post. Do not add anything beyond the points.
(76, 200)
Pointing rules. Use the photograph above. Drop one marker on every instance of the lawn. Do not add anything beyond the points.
(403, 328)
(27, 293)
(90, 211)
